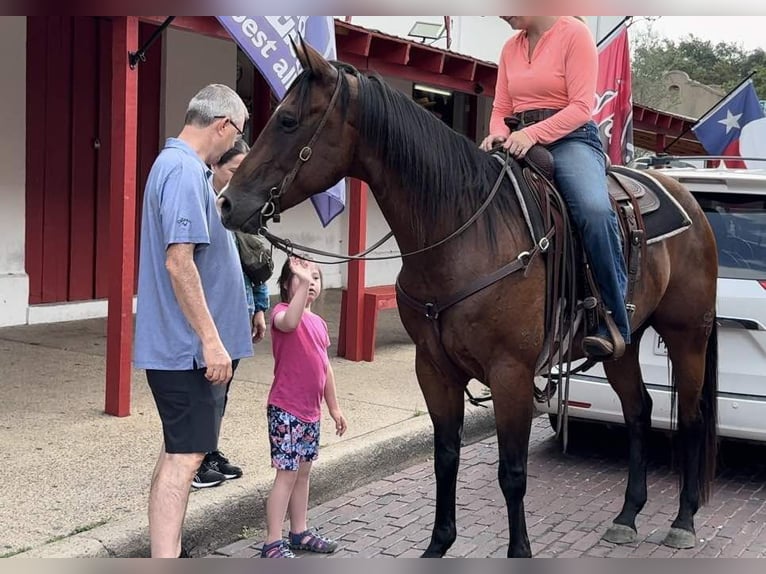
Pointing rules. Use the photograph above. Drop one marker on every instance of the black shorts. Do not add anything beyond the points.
(190, 408)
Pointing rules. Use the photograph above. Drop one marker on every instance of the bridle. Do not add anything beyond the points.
(272, 208)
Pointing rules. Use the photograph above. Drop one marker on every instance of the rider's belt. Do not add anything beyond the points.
(529, 117)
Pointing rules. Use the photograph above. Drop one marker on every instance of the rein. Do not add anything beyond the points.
(289, 247)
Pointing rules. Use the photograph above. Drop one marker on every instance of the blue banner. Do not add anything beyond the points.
(266, 41)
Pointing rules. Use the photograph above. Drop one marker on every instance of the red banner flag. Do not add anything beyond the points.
(614, 101)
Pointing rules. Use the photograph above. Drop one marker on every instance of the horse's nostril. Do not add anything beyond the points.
(224, 205)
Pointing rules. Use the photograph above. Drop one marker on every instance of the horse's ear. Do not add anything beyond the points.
(310, 59)
(300, 51)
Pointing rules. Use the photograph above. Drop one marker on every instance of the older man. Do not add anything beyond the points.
(192, 323)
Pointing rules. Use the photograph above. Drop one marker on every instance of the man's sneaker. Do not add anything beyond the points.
(207, 477)
(220, 463)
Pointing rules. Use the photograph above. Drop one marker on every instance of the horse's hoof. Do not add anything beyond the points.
(620, 534)
(430, 554)
(678, 538)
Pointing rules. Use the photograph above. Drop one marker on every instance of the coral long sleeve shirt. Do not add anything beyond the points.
(561, 75)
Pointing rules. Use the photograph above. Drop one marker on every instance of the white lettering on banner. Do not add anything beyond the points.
(285, 27)
(258, 37)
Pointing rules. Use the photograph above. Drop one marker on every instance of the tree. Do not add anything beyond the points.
(724, 64)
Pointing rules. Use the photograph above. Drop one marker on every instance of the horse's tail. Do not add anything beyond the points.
(708, 426)
(709, 411)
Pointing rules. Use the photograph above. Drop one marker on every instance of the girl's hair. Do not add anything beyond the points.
(240, 148)
(286, 276)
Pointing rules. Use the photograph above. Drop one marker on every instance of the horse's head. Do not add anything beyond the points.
(305, 148)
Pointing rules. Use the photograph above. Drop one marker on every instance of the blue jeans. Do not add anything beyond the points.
(580, 177)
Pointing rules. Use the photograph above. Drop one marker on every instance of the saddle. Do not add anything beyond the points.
(633, 197)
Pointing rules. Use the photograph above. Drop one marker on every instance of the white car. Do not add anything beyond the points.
(735, 203)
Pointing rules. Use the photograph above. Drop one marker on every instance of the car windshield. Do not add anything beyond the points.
(739, 224)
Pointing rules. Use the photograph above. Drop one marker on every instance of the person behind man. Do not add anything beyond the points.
(191, 321)
(547, 78)
(216, 468)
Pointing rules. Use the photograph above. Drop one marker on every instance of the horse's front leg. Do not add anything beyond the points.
(446, 406)
(512, 398)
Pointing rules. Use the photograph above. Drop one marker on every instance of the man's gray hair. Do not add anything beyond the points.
(215, 100)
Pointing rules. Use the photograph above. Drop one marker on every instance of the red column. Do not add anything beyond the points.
(659, 143)
(122, 216)
(352, 322)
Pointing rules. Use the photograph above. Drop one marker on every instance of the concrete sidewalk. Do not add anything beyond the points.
(79, 479)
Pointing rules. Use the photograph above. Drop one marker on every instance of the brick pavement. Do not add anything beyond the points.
(571, 499)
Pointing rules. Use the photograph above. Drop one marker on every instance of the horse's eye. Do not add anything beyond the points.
(287, 121)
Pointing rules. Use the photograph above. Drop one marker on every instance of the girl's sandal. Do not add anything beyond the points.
(312, 542)
(278, 549)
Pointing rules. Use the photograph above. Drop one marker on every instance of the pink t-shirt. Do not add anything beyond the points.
(300, 366)
(561, 75)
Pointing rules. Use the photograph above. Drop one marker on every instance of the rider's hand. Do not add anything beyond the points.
(491, 140)
(518, 144)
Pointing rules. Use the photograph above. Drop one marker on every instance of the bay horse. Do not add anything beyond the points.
(428, 180)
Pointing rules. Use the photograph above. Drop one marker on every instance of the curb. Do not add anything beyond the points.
(218, 517)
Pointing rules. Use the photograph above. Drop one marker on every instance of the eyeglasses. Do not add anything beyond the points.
(228, 119)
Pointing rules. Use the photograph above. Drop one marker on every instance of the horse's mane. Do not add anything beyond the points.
(447, 174)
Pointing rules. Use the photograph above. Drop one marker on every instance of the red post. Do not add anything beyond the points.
(122, 216)
(659, 143)
(352, 322)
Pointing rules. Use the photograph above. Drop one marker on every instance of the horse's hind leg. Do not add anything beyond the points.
(512, 398)
(625, 377)
(695, 384)
(446, 406)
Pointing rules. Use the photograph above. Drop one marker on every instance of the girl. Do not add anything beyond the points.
(302, 376)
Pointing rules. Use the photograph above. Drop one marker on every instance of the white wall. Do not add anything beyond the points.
(14, 282)
(301, 225)
(190, 62)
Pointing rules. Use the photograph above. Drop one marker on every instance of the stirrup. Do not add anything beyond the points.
(605, 348)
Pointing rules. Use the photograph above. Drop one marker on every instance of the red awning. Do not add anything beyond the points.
(397, 57)
(372, 50)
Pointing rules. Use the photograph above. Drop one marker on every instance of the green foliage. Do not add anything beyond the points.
(724, 64)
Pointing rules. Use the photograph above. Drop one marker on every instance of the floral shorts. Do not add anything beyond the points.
(292, 440)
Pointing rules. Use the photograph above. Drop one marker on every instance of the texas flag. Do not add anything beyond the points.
(720, 129)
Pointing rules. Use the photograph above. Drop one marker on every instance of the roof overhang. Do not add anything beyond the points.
(654, 129)
(371, 50)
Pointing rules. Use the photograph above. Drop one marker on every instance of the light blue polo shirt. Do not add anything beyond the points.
(179, 207)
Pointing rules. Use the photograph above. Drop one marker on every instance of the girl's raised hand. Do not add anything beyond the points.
(301, 269)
